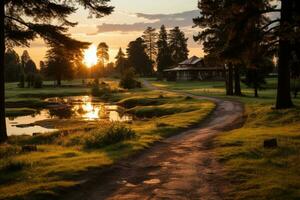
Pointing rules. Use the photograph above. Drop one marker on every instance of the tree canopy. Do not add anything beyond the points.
(138, 58)
(22, 21)
(249, 30)
(178, 45)
(164, 59)
(150, 37)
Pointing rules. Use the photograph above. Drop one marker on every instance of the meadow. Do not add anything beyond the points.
(62, 157)
(254, 172)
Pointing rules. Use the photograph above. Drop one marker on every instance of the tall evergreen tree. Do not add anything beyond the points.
(178, 45)
(12, 66)
(138, 58)
(164, 59)
(150, 38)
(25, 58)
(24, 20)
(121, 62)
(103, 52)
(247, 27)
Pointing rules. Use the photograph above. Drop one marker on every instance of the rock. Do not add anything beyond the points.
(271, 143)
(29, 148)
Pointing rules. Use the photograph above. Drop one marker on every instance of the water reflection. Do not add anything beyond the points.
(85, 108)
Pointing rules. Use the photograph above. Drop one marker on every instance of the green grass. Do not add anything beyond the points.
(12, 112)
(217, 89)
(256, 173)
(80, 146)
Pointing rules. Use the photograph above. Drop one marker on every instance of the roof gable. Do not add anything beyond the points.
(191, 61)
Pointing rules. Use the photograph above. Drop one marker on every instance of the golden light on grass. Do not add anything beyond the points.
(90, 56)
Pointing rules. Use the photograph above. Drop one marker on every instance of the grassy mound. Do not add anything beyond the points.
(256, 172)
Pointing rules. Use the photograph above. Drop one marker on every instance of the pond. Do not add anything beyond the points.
(82, 108)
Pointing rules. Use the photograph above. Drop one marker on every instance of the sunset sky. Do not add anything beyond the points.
(128, 21)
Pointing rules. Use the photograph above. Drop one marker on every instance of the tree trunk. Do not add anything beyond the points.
(229, 87)
(237, 82)
(284, 99)
(58, 81)
(3, 132)
(255, 91)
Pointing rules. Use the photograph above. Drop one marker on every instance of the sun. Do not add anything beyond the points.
(90, 56)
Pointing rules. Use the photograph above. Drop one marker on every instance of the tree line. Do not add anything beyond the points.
(24, 20)
(153, 52)
(248, 35)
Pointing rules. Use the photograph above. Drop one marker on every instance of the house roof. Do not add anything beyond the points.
(191, 65)
(191, 61)
(194, 69)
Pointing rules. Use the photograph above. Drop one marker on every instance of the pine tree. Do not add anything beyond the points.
(103, 52)
(138, 58)
(245, 26)
(150, 38)
(163, 60)
(61, 63)
(12, 66)
(24, 20)
(178, 45)
(121, 62)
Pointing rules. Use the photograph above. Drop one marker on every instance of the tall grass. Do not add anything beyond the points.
(102, 137)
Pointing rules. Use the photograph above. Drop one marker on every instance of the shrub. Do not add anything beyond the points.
(12, 166)
(38, 81)
(153, 111)
(103, 90)
(133, 102)
(22, 80)
(113, 134)
(9, 150)
(128, 80)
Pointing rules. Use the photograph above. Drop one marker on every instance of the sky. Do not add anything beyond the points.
(126, 23)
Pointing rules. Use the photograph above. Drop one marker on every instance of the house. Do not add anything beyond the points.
(194, 68)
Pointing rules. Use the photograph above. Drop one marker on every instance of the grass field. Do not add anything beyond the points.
(256, 173)
(217, 89)
(79, 146)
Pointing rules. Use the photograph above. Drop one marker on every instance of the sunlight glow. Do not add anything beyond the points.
(90, 56)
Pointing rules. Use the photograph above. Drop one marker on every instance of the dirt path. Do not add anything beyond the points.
(180, 167)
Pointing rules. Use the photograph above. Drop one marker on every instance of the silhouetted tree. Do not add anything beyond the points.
(121, 62)
(255, 76)
(150, 37)
(12, 66)
(103, 56)
(164, 59)
(30, 70)
(138, 58)
(247, 27)
(24, 20)
(178, 45)
(103, 52)
(109, 70)
(61, 62)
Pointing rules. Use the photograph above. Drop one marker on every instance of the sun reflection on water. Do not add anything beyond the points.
(83, 107)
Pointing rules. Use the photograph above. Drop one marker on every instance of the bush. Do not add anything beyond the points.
(12, 166)
(22, 80)
(153, 111)
(128, 80)
(103, 90)
(133, 102)
(9, 150)
(107, 136)
(38, 81)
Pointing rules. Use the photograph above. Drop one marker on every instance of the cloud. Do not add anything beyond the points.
(184, 19)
